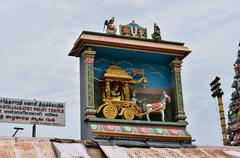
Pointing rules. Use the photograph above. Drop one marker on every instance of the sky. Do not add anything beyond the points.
(36, 37)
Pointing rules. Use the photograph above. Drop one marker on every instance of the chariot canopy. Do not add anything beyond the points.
(116, 73)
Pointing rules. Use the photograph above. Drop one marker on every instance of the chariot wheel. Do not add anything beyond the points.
(110, 112)
(128, 114)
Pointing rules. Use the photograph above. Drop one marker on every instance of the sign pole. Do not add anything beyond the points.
(217, 92)
(17, 129)
(34, 130)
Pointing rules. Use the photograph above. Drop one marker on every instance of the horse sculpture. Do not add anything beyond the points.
(158, 106)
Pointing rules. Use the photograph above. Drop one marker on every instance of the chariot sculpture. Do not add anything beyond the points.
(117, 100)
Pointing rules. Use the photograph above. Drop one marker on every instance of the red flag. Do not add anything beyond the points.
(138, 72)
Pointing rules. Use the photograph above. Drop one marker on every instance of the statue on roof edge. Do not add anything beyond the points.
(111, 29)
(156, 34)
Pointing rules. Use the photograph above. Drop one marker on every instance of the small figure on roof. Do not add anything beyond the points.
(156, 34)
(111, 29)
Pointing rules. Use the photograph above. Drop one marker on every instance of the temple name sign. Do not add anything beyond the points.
(32, 112)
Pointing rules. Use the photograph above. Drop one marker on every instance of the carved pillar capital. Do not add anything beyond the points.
(88, 56)
(176, 65)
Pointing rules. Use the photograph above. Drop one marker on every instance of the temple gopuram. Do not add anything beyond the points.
(130, 87)
(234, 107)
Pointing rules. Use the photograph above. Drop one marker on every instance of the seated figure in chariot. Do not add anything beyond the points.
(115, 93)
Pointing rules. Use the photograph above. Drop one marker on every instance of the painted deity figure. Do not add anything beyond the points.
(156, 34)
(115, 93)
(111, 29)
(236, 138)
(236, 85)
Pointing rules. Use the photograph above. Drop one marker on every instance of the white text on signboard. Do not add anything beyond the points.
(32, 112)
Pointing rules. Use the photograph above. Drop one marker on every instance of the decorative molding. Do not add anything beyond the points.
(91, 39)
(133, 42)
(137, 122)
(88, 60)
(134, 132)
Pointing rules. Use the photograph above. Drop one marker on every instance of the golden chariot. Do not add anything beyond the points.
(119, 105)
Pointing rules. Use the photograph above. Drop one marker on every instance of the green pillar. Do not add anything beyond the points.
(88, 59)
(176, 65)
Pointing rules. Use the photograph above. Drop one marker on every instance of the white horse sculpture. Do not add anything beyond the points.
(158, 106)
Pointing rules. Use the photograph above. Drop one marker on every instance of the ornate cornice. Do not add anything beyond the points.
(87, 39)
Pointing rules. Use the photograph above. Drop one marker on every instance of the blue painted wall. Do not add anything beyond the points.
(156, 70)
(156, 67)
